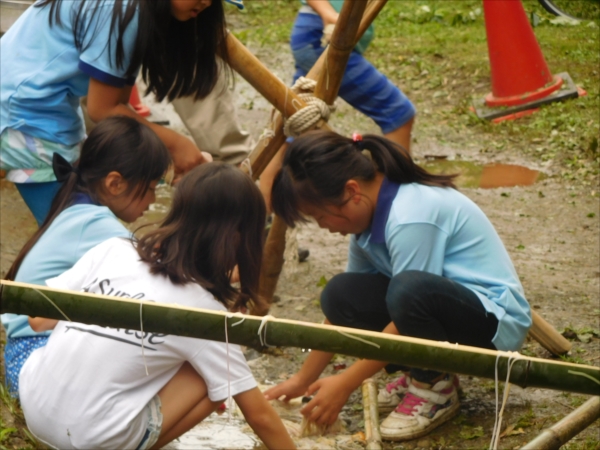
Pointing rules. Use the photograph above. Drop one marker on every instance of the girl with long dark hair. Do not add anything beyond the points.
(61, 50)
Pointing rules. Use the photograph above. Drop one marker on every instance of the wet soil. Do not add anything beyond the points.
(550, 228)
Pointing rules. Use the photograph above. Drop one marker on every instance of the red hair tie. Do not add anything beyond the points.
(356, 137)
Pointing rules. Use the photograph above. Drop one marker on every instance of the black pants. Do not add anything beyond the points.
(420, 304)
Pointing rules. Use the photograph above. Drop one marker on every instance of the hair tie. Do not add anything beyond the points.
(356, 137)
(62, 168)
(358, 141)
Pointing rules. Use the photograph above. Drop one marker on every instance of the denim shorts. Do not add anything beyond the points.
(155, 419)
(16, 352)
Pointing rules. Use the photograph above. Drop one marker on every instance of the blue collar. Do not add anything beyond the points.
(83, 199)
(387, 194)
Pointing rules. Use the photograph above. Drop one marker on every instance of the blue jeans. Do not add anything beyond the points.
(420, 304)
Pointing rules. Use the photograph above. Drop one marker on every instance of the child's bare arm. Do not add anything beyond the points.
(324, 9)
(39, 324)
(263, 419)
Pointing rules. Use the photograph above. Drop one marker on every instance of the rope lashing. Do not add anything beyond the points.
(315, 110)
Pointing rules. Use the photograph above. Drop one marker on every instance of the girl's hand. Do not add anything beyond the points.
(292, 388)
(186, 155)
(332, 395)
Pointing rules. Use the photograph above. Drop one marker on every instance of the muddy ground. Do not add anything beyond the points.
(551, 230)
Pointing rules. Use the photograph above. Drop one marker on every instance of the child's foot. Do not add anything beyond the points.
(389, 396)
(423, 408)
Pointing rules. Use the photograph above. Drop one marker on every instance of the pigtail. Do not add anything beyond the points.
(398, 166)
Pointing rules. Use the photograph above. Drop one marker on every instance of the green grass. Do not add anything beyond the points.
(436, 52)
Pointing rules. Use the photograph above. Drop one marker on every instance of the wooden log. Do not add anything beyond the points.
(272, 264)
(547, 335)
(371, 414)
(559, 434)
(33, 300)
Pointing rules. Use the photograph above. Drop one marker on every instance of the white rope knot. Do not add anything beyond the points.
(512, 358)
(315, 110)
(262, 335)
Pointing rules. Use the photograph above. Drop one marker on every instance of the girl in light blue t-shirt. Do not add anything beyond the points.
(424, 261)
(63, 50)
(121, 162)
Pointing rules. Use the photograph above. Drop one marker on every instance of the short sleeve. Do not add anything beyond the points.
(98, 56)
(75, 278)
(417, 246)
(97, 229)
(357, 260)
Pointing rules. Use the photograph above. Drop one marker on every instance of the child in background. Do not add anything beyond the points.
(363, 86)
(144, 400)
(424, 261)
(121, 162)
(62, 50)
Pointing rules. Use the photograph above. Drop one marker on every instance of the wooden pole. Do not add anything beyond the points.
(371, 414)
(559, 434)
(32, 300)
(547, 335)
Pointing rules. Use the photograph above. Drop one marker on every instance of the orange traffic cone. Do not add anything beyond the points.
(521, 79)
(136, 103)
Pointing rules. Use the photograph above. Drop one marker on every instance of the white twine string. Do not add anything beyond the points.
(53, 304)
(513, 357)
(359, 339)
(228, 402)
(142, 338)
(263, 324)
(581, 374)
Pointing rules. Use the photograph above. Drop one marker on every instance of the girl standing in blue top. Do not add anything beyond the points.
(424, 261)
(121, 162)
(60, 51)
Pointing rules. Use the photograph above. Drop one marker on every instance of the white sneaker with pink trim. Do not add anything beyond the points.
(423, 408)
(389, 396)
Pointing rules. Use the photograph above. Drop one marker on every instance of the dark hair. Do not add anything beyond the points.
(178, 59)
(119, 144)
(318, 164)
(216, 222)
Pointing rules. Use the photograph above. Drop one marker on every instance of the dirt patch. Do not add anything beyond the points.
(550, 229)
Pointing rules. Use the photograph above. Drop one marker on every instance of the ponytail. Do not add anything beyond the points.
(119, 144)
(318, 164)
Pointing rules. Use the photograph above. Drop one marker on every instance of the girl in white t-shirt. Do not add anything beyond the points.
(99, 387)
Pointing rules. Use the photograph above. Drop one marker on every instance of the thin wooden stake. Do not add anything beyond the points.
(559, 434)
(371, 413)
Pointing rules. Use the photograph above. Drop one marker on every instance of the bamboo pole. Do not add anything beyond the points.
(371, 413)
(547, 335)
(559, 434)
(32, 300)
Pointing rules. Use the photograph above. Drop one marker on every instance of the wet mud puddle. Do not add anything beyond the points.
(487, 176)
